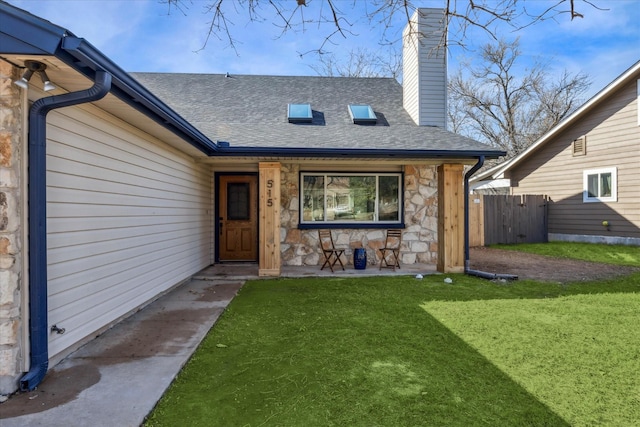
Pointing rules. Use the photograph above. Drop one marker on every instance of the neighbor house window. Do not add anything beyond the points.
(358, 198)
(600, 185)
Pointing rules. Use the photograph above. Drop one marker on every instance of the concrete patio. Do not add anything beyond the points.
(249, 271)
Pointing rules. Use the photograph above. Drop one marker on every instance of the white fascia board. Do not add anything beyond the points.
(494, 183)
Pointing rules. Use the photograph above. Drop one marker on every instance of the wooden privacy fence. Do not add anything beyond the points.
(507, 219)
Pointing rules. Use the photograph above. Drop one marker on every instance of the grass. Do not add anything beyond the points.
(397, 351)
(564, 351)
(609, 254)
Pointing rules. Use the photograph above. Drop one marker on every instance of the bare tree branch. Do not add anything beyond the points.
(361, 63)
(219, 24)
(499, 104)
(290, 16)
(556, 10)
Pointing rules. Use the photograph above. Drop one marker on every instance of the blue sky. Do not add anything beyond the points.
(145, 35)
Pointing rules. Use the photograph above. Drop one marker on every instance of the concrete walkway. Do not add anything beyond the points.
(117, 378)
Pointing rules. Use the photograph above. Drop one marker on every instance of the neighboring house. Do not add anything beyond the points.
(114, 189)
(588, 165)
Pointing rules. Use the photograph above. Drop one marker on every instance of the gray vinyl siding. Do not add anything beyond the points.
(612, 140)
(128, 217)
(424, 77)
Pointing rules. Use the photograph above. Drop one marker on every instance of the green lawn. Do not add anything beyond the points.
(398, 351)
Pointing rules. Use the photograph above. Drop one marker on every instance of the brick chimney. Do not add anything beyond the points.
(424, 68)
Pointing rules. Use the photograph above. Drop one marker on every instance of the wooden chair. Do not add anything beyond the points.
(391, 250)
(331, 253)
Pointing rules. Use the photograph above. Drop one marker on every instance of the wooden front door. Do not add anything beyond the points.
(238, 218)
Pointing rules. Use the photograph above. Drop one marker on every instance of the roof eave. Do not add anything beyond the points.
(27, 34)
(86, 59)
(355, 152)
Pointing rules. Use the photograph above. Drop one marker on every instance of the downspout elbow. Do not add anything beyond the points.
(38, 316)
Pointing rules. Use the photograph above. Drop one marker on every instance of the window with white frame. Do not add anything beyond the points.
(367, 198)
(600, 185)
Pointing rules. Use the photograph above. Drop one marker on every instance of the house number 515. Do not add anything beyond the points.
(269, 187)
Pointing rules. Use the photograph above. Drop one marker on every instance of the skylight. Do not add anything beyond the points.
(299, 113)
(362, 114)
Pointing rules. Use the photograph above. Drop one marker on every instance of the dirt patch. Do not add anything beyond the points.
(544, 268)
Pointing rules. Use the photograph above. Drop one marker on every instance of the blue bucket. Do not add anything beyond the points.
(359, 259)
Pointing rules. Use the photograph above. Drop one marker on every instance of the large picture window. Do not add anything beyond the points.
(350, 198)
(600, 185)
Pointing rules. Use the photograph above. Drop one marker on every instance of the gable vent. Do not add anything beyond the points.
(580, 146)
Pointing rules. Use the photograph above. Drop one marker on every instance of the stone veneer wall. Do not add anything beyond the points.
(419, 240)
(10, 228)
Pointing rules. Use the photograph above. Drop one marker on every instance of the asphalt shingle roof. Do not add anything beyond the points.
(251, 111)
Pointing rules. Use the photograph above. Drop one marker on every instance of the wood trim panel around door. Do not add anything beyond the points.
(238, 218)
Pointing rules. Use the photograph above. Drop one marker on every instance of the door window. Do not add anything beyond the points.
(238, 203)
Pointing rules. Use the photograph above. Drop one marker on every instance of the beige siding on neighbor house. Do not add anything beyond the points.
(128, 217)
(612, 140)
